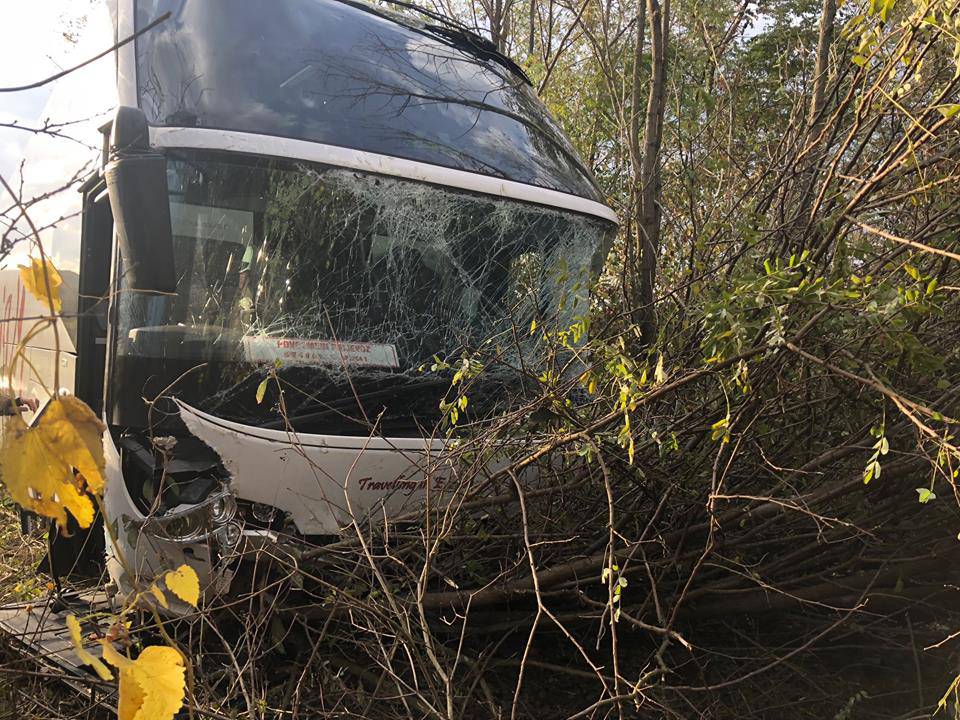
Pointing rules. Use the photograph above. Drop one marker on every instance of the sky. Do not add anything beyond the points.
(32, 47)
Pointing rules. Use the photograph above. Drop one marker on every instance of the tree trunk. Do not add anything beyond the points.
(633, 247)
(533, 27)
(821, 71)
(649, 225)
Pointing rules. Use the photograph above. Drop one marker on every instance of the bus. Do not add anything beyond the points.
(292, 217)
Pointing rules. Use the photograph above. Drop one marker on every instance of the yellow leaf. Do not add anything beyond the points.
(76, 434)
(161, 598)
(152, 686)
(659, 375)
(37, 276)
(183, 583)
(720, 430)
(948, 111)
(37, 479)
(111, 655)
(86, 658)
(37, 463)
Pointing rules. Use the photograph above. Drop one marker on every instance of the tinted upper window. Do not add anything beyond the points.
(341, 74)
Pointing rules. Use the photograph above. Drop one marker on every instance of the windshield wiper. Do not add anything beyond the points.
(336, 407)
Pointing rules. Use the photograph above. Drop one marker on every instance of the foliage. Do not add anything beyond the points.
(763, 489)
(56, 466)
(151, 687)
(42, 280)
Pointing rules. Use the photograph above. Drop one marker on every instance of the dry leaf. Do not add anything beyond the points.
(37, 463)
(183, 583)
(73, 625)
(36, 276)
(152, 686)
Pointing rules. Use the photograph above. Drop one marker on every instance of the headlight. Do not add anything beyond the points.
(222, 509)
(183, 527)
(263, 512)
(229, 535)
(195, 522)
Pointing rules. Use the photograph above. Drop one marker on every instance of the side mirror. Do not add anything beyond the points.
(137, 185)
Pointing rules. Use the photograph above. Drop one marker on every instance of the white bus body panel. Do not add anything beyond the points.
(324, 482)
(54, 164)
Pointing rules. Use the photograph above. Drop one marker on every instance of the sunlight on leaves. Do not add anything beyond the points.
(159, 596)
(152, 686)
(183, 583)
(925, 495)
(720, 430)
(37, 276)
(948, 111)
(38, 480)
(73, 430)
(73, 625)
(659, 374)
(37, 463)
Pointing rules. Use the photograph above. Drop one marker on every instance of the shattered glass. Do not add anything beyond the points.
(349, 283)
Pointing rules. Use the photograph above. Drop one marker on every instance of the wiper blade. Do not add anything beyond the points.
(337, 407)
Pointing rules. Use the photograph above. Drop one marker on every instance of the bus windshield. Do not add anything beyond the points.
(347, 282)
(349, 75)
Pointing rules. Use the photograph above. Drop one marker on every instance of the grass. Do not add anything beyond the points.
(29, 690)
(19, 557)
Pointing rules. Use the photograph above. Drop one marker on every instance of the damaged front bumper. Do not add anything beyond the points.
(278, 488)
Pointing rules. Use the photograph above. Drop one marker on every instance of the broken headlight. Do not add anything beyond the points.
(195, 522)
(222, 509)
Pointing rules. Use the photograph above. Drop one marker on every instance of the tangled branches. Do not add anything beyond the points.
(757, 511)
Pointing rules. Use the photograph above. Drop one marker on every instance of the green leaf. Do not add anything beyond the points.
(926, 495)
(885, 8)
(884, 446)
(262, 389)
(948, 111)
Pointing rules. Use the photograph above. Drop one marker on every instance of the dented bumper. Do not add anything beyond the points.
(279, 486)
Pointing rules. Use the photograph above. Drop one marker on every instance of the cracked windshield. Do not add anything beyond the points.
(353, 286)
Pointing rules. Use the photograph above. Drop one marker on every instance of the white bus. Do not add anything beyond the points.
(320, 193)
